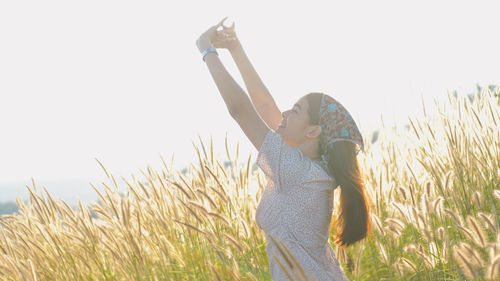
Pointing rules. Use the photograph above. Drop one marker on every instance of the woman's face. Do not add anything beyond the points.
(294, 123)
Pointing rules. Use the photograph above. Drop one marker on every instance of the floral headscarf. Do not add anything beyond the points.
(336, 125)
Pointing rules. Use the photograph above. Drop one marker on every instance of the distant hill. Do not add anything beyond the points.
(67, 189)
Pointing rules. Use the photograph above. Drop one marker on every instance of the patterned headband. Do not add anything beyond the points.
(336, 125)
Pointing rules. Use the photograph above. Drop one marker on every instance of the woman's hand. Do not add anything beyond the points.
(226, 38)
(209, 36)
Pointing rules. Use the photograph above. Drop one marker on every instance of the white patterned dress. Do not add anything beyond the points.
(296, 207)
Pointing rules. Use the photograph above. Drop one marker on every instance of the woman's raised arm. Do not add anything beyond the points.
(259, 94)
(232, 94)
(239, 105)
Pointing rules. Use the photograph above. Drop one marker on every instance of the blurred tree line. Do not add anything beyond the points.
(7, 208)
(479, 89)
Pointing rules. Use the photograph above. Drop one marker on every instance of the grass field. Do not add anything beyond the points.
(434, 188)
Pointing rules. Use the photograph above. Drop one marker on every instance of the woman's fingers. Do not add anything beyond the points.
(221, 23)
(230, 28)
(211, 29)
(226, 34)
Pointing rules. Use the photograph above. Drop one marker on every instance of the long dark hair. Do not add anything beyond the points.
(353, 222)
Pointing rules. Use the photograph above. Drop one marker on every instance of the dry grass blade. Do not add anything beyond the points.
(230, 238)
(464, 263)
(453, 215)
(377, 223)
(289, 257)
(210, 200)
(467, 232)
(493, 268)
(479, 236)
(102, 167)
(190, 226)
(181, 189)
(220, 217)
(214, 271)
(409, 264)
(473, 255)
(488, 221)
(192, 211)
(215, 178)
(280, 264)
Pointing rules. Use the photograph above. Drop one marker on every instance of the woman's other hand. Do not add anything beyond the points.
(205, 40)
(225, 38)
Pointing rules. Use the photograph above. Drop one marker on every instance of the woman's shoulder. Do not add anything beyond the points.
(317, 175)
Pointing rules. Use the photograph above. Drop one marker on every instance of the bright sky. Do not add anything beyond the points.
(123, 81)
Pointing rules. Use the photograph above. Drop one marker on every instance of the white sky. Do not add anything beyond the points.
(123, 81)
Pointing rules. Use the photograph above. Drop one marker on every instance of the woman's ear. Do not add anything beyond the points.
(314, 131)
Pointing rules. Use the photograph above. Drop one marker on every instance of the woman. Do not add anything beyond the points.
(309, 151)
